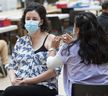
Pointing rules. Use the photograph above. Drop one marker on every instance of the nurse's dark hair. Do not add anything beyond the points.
(93, 41)
(40, 9)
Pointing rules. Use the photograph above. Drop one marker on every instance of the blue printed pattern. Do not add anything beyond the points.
(27, 63)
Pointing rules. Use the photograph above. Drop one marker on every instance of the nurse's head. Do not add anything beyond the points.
(87, 27)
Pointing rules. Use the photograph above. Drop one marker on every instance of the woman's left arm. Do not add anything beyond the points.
(41, 77)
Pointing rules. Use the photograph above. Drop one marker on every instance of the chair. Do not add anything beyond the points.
(55, 26)
(66, 10)
(3, 70)
(72, 14)
(89, 90)
(68, 28)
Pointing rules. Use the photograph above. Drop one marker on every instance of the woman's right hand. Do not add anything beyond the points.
(56, 42)
(67, 38)
(16, 81)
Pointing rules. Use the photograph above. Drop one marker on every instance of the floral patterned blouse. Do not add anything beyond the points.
(27, 63)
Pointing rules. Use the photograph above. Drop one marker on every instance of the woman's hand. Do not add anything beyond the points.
(13, 81)
(56, 42)
(16, 81)
(67, 38)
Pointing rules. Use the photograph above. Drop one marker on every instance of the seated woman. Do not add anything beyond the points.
(27, 70)
(85, 60)
(4, 57)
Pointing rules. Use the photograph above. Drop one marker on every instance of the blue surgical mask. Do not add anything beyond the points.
(32, 26)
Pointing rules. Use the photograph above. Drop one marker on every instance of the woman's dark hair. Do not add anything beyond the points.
(40, 10)
(93, 41)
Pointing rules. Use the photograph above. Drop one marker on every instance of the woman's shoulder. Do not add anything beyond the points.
(49, 40)
(23, 38)
(51, 36)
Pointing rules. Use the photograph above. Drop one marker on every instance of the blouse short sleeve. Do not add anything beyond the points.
(13, 65)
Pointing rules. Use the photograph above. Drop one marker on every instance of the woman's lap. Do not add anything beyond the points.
(31, 90)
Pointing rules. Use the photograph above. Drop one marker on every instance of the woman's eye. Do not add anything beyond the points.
(34, 19)
(31, 19)
(27, 18)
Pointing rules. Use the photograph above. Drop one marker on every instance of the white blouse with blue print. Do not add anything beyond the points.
(27, 63)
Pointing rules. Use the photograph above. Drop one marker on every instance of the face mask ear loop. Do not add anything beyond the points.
(74, 29)
(39, 24)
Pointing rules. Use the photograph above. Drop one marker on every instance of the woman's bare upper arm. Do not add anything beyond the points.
(49, 40)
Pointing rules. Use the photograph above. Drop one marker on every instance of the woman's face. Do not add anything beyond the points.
(75, 29)
(75, 32)
(32, 15)
(32, 22)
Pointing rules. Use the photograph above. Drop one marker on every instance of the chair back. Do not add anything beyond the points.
(3, 71)
(66, 10)
(73, 13)
(55, 26)
(89, 90)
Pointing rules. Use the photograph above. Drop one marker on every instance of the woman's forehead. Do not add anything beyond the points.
(32, 13)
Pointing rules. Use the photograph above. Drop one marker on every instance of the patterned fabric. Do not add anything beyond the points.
(27, 63)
